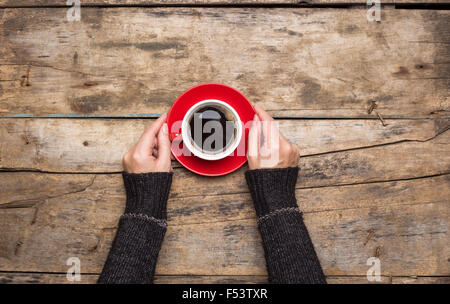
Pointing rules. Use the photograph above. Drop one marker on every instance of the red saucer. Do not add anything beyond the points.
(195, 95)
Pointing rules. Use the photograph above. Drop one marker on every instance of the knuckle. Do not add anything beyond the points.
(289, 149)
(136, 157)
(126, 157)
(252, 158)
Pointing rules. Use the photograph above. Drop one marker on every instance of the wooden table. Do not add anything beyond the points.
(367, 104)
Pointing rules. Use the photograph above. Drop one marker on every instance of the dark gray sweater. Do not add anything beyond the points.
(289, 252)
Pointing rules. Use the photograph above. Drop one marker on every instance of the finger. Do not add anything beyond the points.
(262, 114)
(254, 137)
(283, 139)
(164, 144)
(268, 125)
(177, 147)
(284, 142)
(271, 134)
(148, 138)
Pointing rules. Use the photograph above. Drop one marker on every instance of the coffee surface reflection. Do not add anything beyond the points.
(211, 130)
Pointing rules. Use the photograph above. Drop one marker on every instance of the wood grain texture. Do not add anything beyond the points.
(97, 145)
(294, 62)
(404, 223)
(421, 280)
(40, 3)
(56, 278)
(365, 189)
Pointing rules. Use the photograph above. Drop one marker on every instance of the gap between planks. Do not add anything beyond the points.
(302, 156)
(222, 194)
(13, 277)
(209, 275)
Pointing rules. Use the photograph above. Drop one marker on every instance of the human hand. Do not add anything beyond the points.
(152, 151)
(272, 149)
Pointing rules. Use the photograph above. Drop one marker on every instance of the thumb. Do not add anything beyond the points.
(164, 144)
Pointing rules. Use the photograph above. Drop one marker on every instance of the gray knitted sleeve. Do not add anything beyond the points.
(290, 254)
(133, 255)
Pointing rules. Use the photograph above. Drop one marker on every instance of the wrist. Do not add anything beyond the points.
(272, 189)
(147, 193)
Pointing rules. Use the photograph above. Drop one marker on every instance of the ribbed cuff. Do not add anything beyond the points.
(147, 193)
(272, 189)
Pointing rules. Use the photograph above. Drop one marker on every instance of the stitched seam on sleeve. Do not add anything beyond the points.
(277, 212)
(162, 223)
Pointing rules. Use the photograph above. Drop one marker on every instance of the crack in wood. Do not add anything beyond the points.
(32, 202)
(381, 145)
(311, 212)
(49, 67)
(438, 133)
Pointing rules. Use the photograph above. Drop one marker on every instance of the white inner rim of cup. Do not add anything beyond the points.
(185, 128)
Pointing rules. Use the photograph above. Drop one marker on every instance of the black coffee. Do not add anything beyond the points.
(211, 130)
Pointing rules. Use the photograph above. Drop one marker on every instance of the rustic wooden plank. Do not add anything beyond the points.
(41, 3)
(57, 278)
(43, 278)
(404, 223)
(252, 280)
(96, 145)
(425, 156)
(74, 191)
(421, 280)
(295, 62)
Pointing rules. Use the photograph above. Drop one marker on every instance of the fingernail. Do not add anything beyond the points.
(165, 129)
